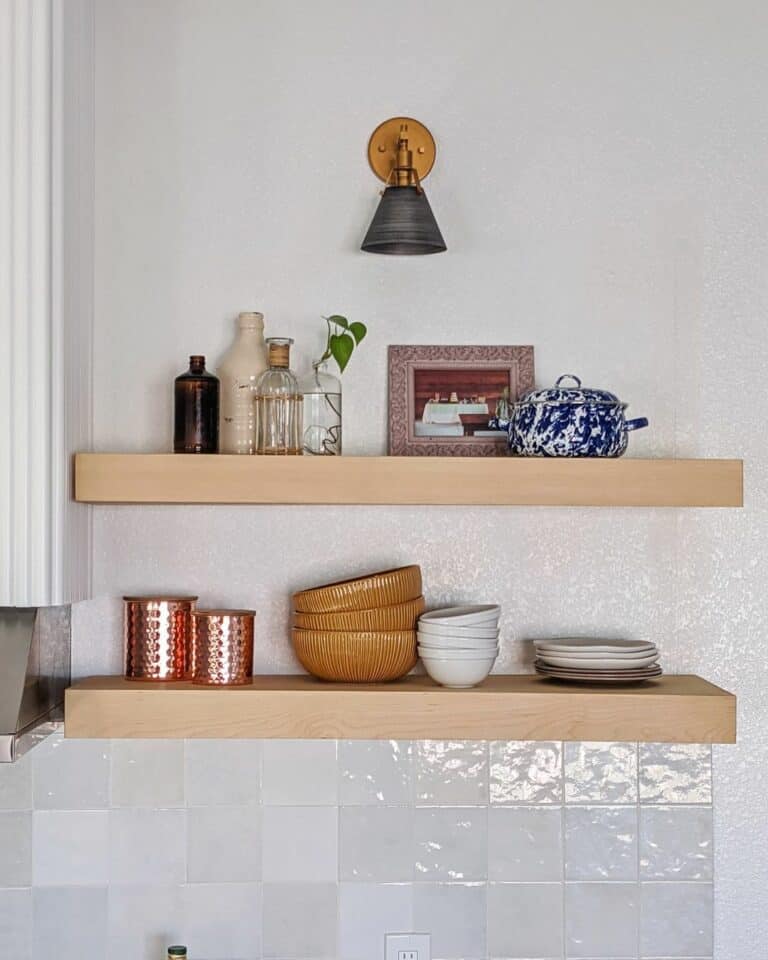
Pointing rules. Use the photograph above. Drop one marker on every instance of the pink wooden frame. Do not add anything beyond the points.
(405, 360)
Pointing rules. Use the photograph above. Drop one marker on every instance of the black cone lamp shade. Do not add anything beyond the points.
(404, 224)
(401, 152)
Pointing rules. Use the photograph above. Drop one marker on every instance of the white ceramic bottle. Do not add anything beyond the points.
(240, 368)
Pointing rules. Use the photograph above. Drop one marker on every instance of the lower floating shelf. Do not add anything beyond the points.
(672, 709)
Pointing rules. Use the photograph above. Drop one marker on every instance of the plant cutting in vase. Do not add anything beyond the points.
(322, 390)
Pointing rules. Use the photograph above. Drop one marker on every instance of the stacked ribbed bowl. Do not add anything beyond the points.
(361, 630)
(459, 645)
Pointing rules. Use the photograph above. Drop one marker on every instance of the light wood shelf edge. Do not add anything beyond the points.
(672, 709)
(472, 481)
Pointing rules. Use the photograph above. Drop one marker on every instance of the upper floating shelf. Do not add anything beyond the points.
(494, 481)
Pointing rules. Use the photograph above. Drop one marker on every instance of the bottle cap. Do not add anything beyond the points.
(177, 951)
(248, 320)
(197, 360)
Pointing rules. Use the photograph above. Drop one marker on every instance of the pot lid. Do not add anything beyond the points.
(570, 393)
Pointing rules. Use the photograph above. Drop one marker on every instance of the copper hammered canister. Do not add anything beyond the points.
(223, 647)
(158, 637)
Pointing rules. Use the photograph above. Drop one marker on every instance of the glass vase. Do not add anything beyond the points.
(322, 412)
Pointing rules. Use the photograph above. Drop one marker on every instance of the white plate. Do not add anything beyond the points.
(593, 644)
(587, 656)
(468, 615)
(607, 663)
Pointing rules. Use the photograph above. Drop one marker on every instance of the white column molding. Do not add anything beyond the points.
(46, 247)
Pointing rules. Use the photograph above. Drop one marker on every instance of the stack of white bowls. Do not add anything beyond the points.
(459, 645)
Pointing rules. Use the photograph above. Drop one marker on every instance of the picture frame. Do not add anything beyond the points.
(441, 395)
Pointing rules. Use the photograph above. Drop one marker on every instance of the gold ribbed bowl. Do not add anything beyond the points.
(401, 616)
(386, 589)
(356, 656)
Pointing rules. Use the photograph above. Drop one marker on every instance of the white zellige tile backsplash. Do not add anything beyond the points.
(313, 850)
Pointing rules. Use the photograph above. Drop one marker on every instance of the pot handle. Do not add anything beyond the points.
(568, 376)
(637, 423)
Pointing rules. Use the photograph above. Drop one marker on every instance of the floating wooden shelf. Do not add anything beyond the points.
(169, 478)
(674, 709)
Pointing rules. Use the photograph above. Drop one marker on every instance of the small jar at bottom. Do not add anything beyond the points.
(223, 647)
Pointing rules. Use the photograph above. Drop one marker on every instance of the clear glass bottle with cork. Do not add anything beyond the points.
(279, 404)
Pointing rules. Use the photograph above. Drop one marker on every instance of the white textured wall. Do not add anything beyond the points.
(601, 184)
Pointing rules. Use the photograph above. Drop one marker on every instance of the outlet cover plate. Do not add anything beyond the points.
(408, 946)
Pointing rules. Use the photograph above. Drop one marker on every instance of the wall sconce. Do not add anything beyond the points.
(401, 152)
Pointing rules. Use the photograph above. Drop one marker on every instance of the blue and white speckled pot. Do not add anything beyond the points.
(570, 422)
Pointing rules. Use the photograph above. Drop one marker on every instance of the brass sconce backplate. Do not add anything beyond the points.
(382, 147)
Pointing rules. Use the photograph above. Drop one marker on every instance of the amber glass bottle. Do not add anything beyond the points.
(196, 410)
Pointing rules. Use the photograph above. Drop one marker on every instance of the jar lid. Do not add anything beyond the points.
(561, 393)
(177, 951)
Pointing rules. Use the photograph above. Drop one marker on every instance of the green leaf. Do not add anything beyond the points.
(341, 346)
(338, 320)
(358, 331)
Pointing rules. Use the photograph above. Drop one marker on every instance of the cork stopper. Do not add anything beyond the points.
(250, 320)
(279, 351)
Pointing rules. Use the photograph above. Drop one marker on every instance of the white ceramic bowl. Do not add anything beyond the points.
(451, 643)
(433, 653)
(459, 673)
(468, 615)
(460, 633)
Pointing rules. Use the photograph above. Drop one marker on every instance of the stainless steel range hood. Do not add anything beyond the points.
(34, 672)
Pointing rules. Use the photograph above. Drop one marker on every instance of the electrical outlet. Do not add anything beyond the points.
(408, 946)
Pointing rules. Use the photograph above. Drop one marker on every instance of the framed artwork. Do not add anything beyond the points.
(441, 398)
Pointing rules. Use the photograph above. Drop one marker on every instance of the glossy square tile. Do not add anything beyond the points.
(299, 921)
(376, 844)
(600, 772)
(16, 924)
(69, 923)
(147, 773)
(300, 844)
(70, 848)
(450, 771)
(298, 772)
(525, 920)
(525, 844)
(525, 771)
(70, 774)
(601, 919)
(375, 772)
(677, 920)
(676, 843)
(15, 848)
(147, 846)
(16, 784)
(675, 773)
(222, 772)
(455, 916)
(222, 920)
(601, 843)
(224, 844)
(451, 843)
(369, 911)
(143, 921)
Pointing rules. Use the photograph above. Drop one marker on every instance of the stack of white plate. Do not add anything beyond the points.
(597, 661)
(459, 645)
